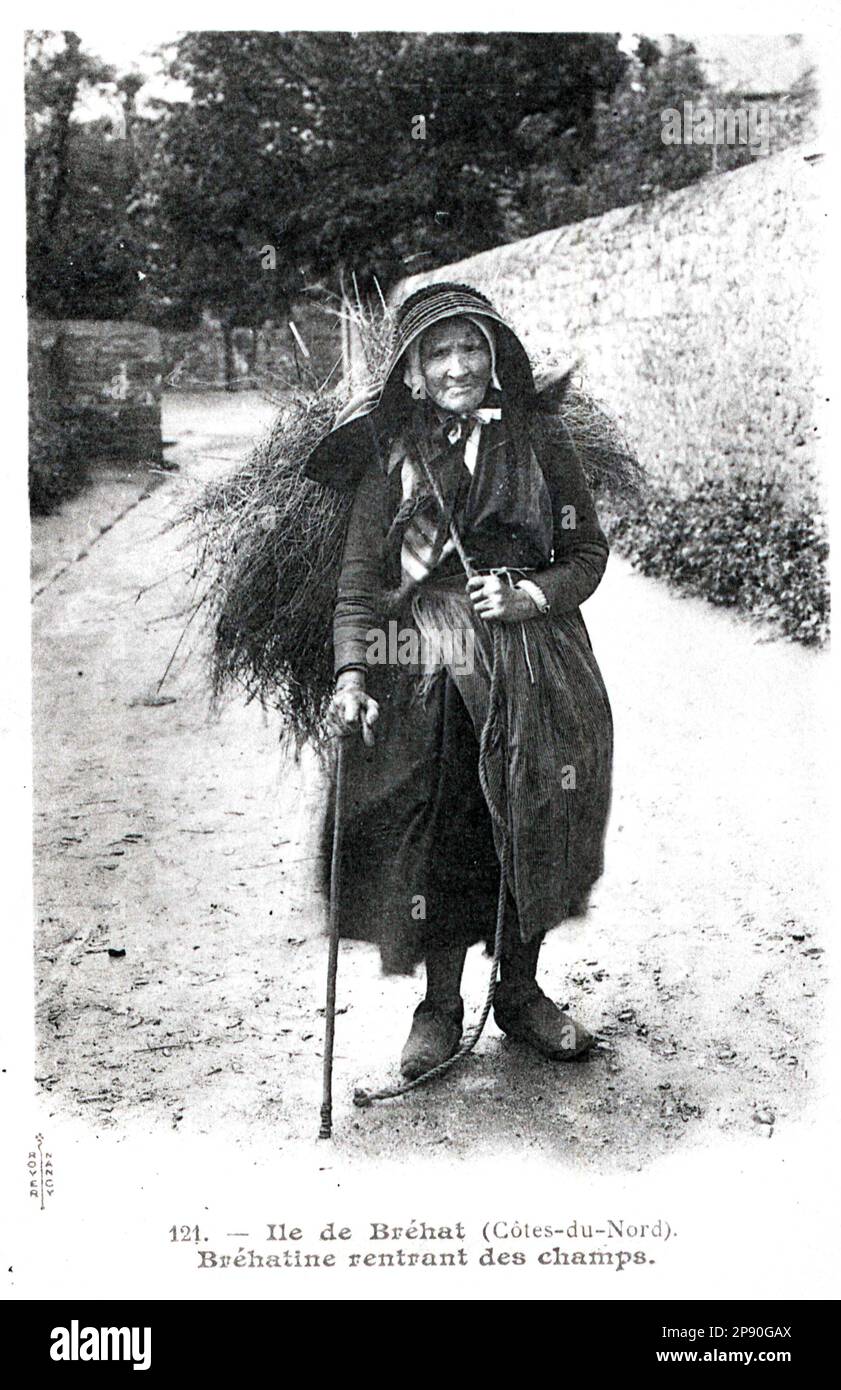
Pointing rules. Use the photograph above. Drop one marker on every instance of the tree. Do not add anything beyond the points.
(360, 153)
(82, 258)
(415, 140)
(221, 183)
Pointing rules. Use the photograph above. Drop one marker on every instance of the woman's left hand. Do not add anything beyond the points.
(493, 597)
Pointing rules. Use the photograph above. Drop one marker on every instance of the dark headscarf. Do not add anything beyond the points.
(369, 424)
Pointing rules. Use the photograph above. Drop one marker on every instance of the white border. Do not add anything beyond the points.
(756, 1223)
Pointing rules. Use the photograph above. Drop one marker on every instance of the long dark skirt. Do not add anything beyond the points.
(421, 861)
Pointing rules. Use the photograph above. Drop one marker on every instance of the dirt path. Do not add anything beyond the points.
(185, 844)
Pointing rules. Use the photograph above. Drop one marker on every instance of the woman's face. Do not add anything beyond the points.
(456, 364)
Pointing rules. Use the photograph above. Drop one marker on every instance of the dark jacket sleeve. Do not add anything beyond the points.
(361, 578)
(581, 549)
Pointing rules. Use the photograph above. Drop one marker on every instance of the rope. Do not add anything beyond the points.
(361, 1097)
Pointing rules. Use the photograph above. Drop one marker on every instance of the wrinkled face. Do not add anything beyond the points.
(456, 364)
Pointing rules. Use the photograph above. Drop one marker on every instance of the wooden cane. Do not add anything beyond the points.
(326, 1130)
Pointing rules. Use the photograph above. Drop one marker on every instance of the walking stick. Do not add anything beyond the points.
(326, 1129)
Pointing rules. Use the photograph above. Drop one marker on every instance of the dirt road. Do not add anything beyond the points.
(180, 957)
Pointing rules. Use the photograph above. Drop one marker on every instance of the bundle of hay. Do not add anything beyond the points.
(270, 543)
(270, 547)
(612, 469)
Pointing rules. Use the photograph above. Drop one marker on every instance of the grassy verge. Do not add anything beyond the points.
(57, 468)
(739, 542)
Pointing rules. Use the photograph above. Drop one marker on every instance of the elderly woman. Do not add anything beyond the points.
(462, 661)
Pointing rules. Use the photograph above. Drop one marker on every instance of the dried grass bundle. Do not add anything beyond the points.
(611, 467)
(270, 544)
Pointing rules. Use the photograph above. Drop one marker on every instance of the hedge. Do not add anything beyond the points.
(738, 542)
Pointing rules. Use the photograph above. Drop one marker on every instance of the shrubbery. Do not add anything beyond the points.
(738, 542)
(57, 467)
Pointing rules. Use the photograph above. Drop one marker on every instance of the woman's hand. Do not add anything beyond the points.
(493, 597)
(352, 706)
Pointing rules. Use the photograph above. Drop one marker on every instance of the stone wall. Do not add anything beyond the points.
(694, 317)
(103, 379)
(266, 357)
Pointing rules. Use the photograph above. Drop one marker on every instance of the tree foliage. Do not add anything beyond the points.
(83, 250)
(368, 152)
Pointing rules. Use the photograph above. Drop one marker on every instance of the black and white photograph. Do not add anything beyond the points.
(419, 716)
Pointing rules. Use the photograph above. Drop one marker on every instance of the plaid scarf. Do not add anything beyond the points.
(426, 538)
(483, 478)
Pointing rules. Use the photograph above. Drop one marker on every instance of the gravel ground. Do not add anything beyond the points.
(180, 947)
